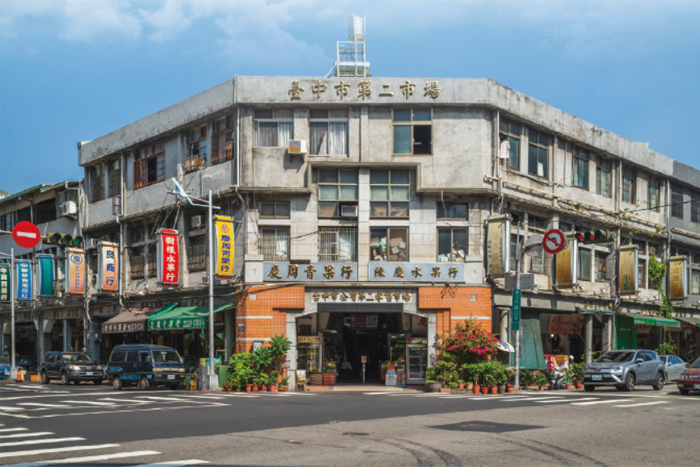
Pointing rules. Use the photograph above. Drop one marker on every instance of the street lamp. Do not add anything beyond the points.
(212, 380)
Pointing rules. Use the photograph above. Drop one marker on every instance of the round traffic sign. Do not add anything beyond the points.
(553, 241)
(26, 235)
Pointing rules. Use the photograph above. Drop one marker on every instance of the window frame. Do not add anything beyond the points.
(222, 141)
(275, 206)
(452, 256)
(97, 182)
(601, 259)
(695, 207)
(580, 174)
(144, 155)
(629, 177)
(604, 166)
(653, 204)
(413, 123)
(581, 273)
(114, 177)
(327, 121)
(277, 120)
(389, 238)
(277, 230)
(538, 147)
(389, 185)
(339, 203)
(337, 232)
(449, 207)
(506, 133)
(695, 284)
(677, 204)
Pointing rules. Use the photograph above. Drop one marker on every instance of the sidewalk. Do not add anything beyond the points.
(359, 387)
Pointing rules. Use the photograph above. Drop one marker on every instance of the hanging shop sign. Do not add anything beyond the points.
(74, 313)
(678, 278)
(168, 258)
(224, 247)
(5, 282)
(46, 275)
(75, 276)
(107, 266)
(309, 339)
(363, 322)
(362, 296)
(565, 324)
(497, 246)
(628, 274)
(566, 261)
(24, 280)
(278, 271)
(381, 271)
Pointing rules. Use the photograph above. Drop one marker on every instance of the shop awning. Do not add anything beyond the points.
(596, 310)
(132, 320)
(183, 317)
(651, 320)
(695, 321)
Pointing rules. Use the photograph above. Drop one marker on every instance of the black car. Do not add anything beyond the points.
(145, 366)
(70, 366)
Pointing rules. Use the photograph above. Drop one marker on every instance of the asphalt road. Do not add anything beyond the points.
(132, 427)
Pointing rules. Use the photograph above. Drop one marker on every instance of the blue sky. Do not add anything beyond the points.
(73, 70)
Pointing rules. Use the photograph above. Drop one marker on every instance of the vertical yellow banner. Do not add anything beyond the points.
(225, 247)
(677, 278)
(565, 261)
(628, 274)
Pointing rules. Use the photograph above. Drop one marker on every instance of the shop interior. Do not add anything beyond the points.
(332, 348)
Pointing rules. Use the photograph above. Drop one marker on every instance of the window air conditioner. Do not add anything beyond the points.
(91, 244)
(197, 222)
(348, 211)
(68, 208)
(297, 147)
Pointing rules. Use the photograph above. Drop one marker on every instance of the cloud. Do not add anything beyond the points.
(86, 20)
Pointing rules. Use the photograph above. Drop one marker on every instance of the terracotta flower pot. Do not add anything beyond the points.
(477, 389)
(484, 389)
(469, 386)
(541, 388)
(263, 388)
(568, 386)
(460, 385)
(494, 389)
(579, 385)
(510, 388)
(248, 388)
(255, 388)
(282, 389)
(273, 388)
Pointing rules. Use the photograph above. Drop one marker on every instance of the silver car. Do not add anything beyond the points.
(624, 369)
(674, 366)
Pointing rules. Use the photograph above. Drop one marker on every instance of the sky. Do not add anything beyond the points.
(74, 70)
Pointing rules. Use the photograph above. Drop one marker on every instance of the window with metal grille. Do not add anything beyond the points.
(536, 224)
(222, 141)
(628, 186)
(197, 141)
(390, 244)
(676, 202)
(453, 244)
(336, 188)
(97, 183)
(328, 132)
(604, 178)
(653, 195)
(273, 128)
(137, 263)
(149, 166)
(514, 247)
(389, 193)
(642, 273)
(413, 131)
(274, 244)
(337, 244)
(538, 154)
(274, 210)
(197, 254)
(580, 168)
(115, 177)
(510, 134)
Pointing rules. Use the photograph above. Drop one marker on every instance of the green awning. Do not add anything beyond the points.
(651, 320)
(595, 310)
(695, 321)
(672, 323)
(183, 317)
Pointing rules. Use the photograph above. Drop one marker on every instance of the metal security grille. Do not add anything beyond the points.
(337, 244)
(196, 257)
(274, 244)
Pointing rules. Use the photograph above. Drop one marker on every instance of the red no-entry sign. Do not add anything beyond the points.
(26, 235)
(553, 241)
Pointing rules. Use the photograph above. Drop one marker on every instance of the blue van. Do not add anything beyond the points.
(145, 366)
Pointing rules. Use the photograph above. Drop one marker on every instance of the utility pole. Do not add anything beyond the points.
(515, 320)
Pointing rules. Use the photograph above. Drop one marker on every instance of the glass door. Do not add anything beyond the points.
(417, 359)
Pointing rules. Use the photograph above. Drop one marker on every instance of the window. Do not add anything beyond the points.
(197, 254)
(328, 132)
(274, 244)
(337, 244)
(412, 131)
(273, 128)
(222, 141)
(149, 166)
(695, 282)
(117, 356)
(628, 186)
(458, 211)
(137, 263)
(197, 141)
(583, 266)
(97, 183)
(601, 266)
(510, 136)
(538, 153)
(274, 210)
(580, 168)
(537, 264)
(676, 202)
(653, 195)
(45, 211)
(566, 227)
(389, 244)
(7, 221)
(389, 193)
(604, 178)
(514, 248)
(24, 214)
(115, 177)
(453, 244)
(642, 273)
(336, 188)
(536, 224)
(695, 208)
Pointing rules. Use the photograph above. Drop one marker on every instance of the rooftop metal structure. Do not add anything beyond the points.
(351, 56)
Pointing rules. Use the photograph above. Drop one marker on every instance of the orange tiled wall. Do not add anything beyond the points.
(451, 304)
(263, 310)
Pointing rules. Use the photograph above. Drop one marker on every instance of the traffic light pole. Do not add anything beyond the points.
(517, 291)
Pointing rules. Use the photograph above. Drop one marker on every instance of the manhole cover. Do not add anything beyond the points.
(486, 427)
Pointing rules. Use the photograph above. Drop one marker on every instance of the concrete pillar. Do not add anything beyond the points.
(291, 362)
(588, 337)
(503, 323)
(432, 330)
(230, 331)
(608, 332)
(67, 335)
(42, 344)
(93, 334)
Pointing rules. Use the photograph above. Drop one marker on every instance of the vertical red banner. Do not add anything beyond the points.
(168, 258)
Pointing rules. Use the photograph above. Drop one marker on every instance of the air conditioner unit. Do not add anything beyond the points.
(297, 147)
(348, 211)
(69, 208)
(91, 244)
(197, 222)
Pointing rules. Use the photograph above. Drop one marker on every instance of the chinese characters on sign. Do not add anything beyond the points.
(225, 247)
(280, 271)
(24, 279)
(381, 271)
(5, 282)
(497, 246)
(118, 328)
(629, 281)
(176, 323)
(75, 278)
(364, 90)
(108, 267)
(677, 278)
(362, 296)
(168, 258)
(46, 275)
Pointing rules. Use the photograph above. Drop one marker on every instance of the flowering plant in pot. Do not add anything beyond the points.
(283, 384)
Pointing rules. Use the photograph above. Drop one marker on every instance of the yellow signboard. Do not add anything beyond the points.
(566, 264)
(677, 279)
(225, 247)
(497, 254)
(628, 277)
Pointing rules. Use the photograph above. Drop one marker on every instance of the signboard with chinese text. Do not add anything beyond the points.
(678, 278)
(363, 322)
(517, 298)
(566, 264)
(46, 275)
(168, 258)
(628, 274)
(284, 271)
(224, 247)
(107, 267)
(497, 246)
(75, 274)
(5, 282)
(362, 296)
(119, 328)
(177, 323)
(24, 280)
(570, 324)
(381, 271)
(309, 339)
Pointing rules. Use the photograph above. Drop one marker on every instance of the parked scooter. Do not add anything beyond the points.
(557, 379)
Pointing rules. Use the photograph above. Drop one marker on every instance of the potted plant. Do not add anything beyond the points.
(489, 373)
(452, 385)
(431, 382)
(273, 381)
(263, 380)
(460, 384)
(541, 380)
(500, 377)
(574, 373)
(279, 346)
(283, 384)
(468, 372)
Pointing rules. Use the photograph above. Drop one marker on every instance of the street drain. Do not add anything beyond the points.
(486, 427)
(355, 433)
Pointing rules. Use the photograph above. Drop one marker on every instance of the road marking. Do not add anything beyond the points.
(35, 452)
(27, 435)
(601, 402)
(203, 397)
(12, 409)
(87, 402)
(75, 460)
(166, 399)
(39, 404)
(41, 441)
(176, 463)
(513, 398)
(567, 400)
(4, 430)
(642, 404)
(535, 399)
(128, 401)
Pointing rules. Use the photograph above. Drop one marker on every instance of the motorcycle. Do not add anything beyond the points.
(557, 379)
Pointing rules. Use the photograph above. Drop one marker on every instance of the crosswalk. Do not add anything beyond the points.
(22, 443)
